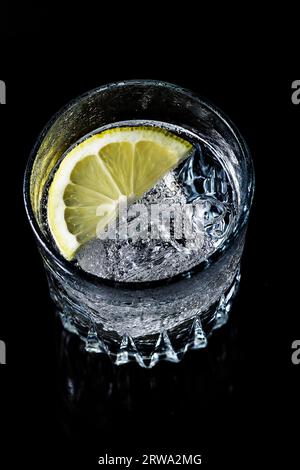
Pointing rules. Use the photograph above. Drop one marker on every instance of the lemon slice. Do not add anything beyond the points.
(93, 177)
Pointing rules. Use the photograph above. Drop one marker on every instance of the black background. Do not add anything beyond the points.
(236, 402)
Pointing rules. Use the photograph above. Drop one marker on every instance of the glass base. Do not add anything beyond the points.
(169, 345)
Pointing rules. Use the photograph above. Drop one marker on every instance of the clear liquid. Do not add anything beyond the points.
(202, 179)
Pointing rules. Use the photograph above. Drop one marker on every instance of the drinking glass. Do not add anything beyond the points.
(141, 321)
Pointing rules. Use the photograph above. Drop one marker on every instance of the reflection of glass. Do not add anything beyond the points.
(96, 398)
(144, 321)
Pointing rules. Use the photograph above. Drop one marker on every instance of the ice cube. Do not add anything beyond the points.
(143, 258)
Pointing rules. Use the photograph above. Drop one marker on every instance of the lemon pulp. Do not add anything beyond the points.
(90, 180)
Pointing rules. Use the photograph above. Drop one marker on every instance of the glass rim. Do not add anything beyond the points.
(72, 269)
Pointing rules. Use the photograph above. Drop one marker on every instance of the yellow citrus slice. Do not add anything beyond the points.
(92, 178)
